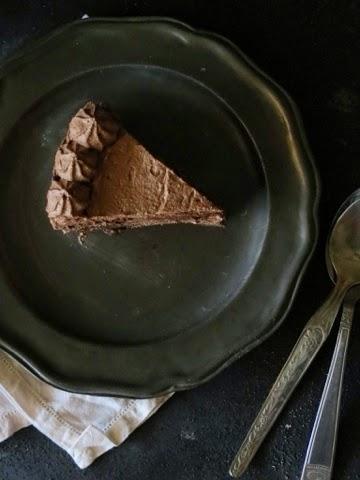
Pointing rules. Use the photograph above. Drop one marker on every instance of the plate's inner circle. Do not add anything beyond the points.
(141, 285)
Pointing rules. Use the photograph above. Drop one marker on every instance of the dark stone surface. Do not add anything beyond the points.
(312, 49)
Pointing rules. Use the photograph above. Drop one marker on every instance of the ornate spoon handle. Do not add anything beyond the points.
(307, 346)
(321, 450)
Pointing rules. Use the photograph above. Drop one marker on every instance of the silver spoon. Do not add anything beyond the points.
(320, 454)
(344, 253)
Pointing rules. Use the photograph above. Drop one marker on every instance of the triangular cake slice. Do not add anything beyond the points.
(104, 179)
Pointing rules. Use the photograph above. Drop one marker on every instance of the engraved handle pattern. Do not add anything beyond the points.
(317, 472)
(305, 349)
(307, 346)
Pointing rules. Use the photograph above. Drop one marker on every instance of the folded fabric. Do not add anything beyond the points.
(85, 426)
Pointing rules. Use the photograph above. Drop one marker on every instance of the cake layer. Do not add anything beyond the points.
(82, 224)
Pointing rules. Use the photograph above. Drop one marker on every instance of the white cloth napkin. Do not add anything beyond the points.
(86, 426)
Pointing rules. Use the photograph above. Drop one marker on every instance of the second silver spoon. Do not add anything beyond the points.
(320, 454)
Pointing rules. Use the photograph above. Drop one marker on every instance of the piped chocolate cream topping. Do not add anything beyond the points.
(104, 179)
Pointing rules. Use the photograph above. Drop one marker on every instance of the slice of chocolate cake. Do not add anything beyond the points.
(103, 179)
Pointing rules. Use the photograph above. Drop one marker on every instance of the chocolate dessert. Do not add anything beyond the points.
(104, 179)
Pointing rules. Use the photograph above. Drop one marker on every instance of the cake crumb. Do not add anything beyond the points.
(81, 238)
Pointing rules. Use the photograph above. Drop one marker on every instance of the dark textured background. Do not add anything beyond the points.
(312, 48)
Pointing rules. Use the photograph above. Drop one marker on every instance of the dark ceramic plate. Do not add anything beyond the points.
(165, 308)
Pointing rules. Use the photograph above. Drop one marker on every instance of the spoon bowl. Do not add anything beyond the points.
(343, 247)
